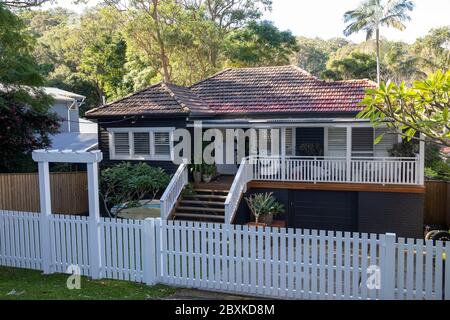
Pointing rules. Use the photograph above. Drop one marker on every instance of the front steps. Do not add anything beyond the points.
(205, 205)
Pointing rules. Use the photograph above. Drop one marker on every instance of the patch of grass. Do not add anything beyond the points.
(23, 284)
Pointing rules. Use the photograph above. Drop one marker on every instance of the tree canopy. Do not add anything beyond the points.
(26, 123)
(422, 108)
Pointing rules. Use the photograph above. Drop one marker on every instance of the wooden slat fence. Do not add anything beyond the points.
(437, 203)
(20, 192)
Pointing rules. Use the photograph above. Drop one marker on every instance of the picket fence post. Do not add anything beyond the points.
(148, 251)
(95, 262)
(44, 221)
(388, 267)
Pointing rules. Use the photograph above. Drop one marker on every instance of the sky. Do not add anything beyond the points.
(323, 18)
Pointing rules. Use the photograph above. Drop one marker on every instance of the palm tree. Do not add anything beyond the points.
(371, 15)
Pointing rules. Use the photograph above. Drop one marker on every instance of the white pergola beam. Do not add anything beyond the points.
(67, 156)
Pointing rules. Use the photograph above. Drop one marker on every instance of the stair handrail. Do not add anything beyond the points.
(173, 190)
(239, 186)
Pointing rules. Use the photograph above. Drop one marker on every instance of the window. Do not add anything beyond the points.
(140, 144)
(122, 143)
(290, 141)
(362, 142)
(266, 140)
(162, 143)
(337, 142)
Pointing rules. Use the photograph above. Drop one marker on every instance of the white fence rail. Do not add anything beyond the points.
(266, 262)
(173, 190)
(239, 186)
(404, 171)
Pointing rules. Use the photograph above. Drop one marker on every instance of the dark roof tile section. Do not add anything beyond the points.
(189, 99)
(246, 91)
(156, 99)
(278, 89)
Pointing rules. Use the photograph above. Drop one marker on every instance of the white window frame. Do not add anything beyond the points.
(152, 156)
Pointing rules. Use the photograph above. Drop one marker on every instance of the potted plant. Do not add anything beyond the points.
(263, 207)
(208, 172)
(197, 172)
(274, 208)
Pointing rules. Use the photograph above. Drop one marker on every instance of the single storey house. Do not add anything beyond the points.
(330, 175)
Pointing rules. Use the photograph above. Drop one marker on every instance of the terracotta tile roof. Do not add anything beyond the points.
(156, 99)
(279, 89)
(246, 90)
(189, 99)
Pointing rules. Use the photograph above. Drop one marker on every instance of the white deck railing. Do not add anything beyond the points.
(173, 191)
(403, 171)
(239, 186)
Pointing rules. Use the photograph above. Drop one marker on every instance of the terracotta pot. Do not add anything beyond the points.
(254, 224)
(266, 219)
(207, 178)
(197, 176)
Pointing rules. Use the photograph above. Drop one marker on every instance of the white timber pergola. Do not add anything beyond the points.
(91, 159)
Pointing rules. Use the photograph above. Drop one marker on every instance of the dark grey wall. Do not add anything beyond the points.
(372, 212)
(400, 213)
(103, 139)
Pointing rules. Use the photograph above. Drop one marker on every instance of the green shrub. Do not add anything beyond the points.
(404, 149)
(125, 185)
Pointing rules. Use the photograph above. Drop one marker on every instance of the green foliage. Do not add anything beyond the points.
(125, 185)
(405, 149)
(262, 204)
(17, 65)
(261, 44)
(371, 15)
(313, 54)
(433, 50)
(432, 154)
(26, 123)
(209, 169)
(355, 66)
(438, 171)
(422, 108)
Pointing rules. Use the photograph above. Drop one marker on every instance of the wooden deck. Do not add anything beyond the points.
(222, 183)
(337, 186)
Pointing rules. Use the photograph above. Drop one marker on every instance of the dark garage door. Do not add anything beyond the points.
(323, 210)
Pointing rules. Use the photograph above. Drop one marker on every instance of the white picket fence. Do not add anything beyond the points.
(265, 262)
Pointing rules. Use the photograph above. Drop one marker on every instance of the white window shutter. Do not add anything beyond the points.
(362, 142)
(389, 139)
(162, 143)
(121, 143)
(337, 142)
(141, 143)
(289, 141)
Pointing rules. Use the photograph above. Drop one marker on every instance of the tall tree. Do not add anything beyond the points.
(26, 122)
(371, 15)
(261, 44)
(433, 50)
(313, 54)
(22, 3)
(225, 16)
(357, 65)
